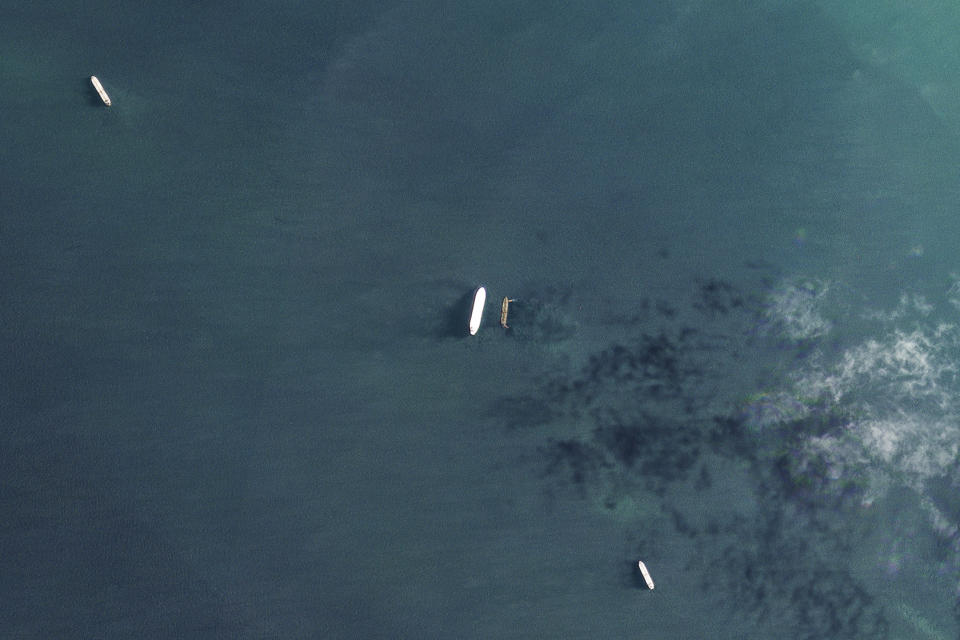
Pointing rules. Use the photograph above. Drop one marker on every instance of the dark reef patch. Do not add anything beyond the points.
(580, 460)
(719, 296)
(777, 574)
(654, 447)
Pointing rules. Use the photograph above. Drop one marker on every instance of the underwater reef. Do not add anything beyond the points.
(666, 425)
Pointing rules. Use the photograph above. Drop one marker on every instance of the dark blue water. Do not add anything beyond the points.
(235, 395)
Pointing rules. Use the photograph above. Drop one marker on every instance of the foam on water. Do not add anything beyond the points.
(953, 293)
(796, 308)
(899, 380)
(902, 365)
(896, 390)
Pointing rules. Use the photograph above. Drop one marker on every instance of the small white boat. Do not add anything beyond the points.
(646, 574)
(479, 299)
(99, 87)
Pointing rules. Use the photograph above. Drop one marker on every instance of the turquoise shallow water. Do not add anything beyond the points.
(235, 398)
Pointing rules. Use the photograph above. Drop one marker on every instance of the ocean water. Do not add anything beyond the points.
(236, 397)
